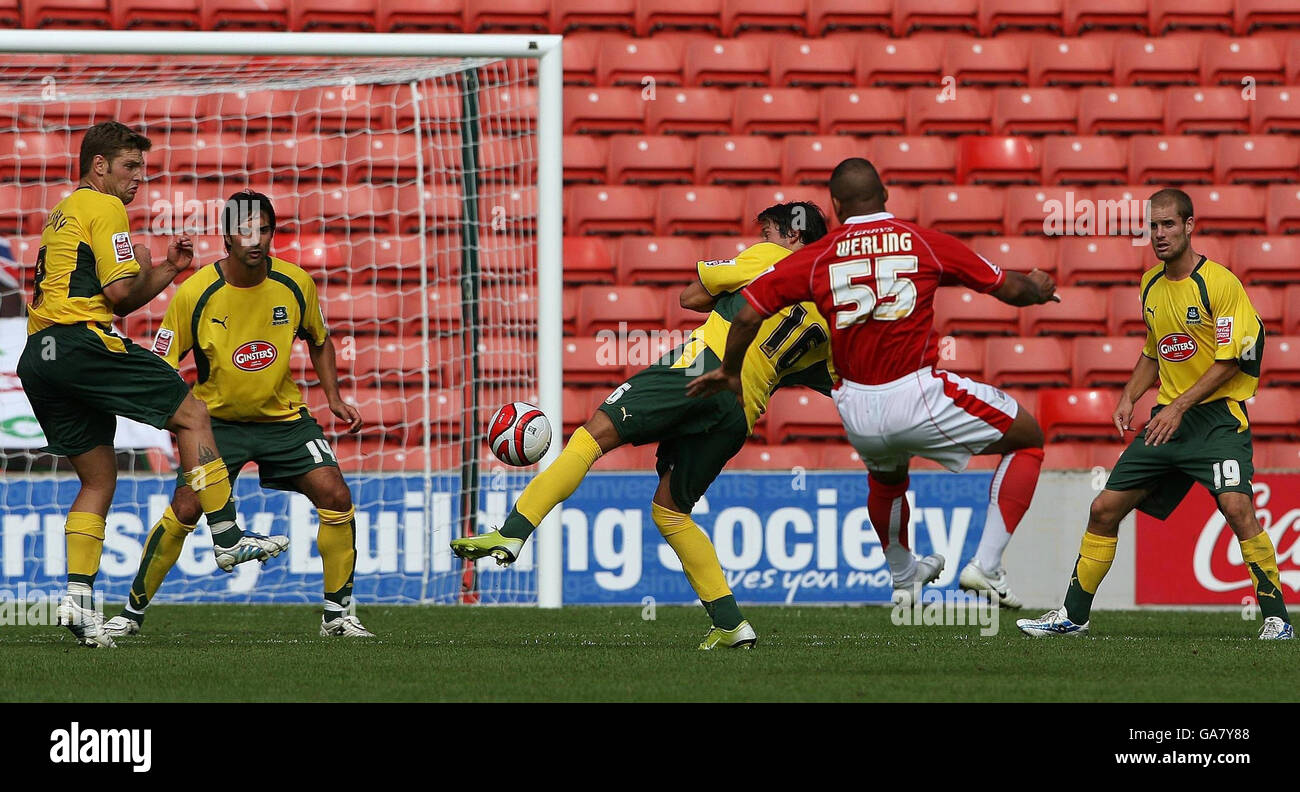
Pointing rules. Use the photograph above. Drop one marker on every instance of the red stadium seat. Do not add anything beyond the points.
(28, 156)
(1202, 111)
(1273, 414)
(66, 14)
(1086, 61)
(964, 355)
(1084, 160)
(776, 111)
(741, 15)
(1292, 65)
(1281, 365)
(802, 62)
(175, 112)
(263, 15)
(1291, 310)
(603, 110)
(587, 260)
(653, 15)
(905, 203)
(1075, 413)
(838, 456)
(1228, 61)
(997, 160)
(507, 109)
(1283, 208)
(931, 112)
(690, 111)
(698, 210)
(738, 160)
(962, 311)
(621, 61)
(991, 62)
(1067, 456)
(1141, 61)
(862, 111)
(1121, 110)
(1268, 259)
(319, 254)
(321, 157)
(579, 405)
(1105, 362)
(798, 413)
(1255, 14)
(631, 458)
(677, 319)
(579, 52)
(829, 16)
(1101, 261)
(1124, 313)
(426, 16)
(1169, 15)
(1083, 15)
(1038, 362)
(1019, 253)
(156, 14)
(1030, 210)
(912, 160)
(1170, 160)
(569, 15)
(1081, 311)
(962, 209)
(1255, 159)
(720, 248)
(810, 160)
(949, 15)
(899, 62)
(786, 457)
(507, 16)
(1035, 111)
(586, 159)
(1229, 208)
(324, 16)
(760, 197)
(9, 16)
(651, 159)
(365, 108)
(726, 62)
(255, 111)
(1275, 111)
(569, 312)
(1120, 210)
(1277, 456)
(609, 307)
(1037, 15)
(658, 259)
(610, 210)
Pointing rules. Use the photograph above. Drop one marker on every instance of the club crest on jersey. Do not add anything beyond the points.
(254, 356)
(279, 315)
(1177, 347)
(1193, 315)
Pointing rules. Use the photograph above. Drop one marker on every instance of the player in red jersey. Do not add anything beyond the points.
(874, 280)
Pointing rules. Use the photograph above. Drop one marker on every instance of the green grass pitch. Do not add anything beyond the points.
(196, 652)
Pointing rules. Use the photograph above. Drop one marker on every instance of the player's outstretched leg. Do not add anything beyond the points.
(1260, 557)
(161, 549)
(889, 512)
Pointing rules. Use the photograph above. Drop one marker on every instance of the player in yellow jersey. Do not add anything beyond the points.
(79, 374)
(239, 317)
(1204, 344)
(696, 437)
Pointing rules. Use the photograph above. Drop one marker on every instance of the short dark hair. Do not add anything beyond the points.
(241, 205)
(1181, 200)
(802, 216)
(108, 139)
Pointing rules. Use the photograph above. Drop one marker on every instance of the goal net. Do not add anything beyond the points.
(408, 187)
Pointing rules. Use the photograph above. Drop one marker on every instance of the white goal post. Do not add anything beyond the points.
(306, 60)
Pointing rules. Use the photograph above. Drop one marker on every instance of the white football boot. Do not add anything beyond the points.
(250, 547)
(1054, 622)
(974, 578)
(119, 626)
(84, 623)
(1275, 629)
(347, 625)
(924, 571)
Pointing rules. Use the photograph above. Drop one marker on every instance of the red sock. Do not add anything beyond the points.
(887, 507)
(1016, 490)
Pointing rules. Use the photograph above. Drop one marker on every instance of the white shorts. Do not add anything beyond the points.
(933, 414)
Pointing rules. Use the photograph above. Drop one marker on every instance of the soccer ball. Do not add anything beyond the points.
(519, 434)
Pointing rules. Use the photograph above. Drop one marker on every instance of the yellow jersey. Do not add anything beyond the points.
(792, 346)
(242, 337)
(85, 246)
(1195, 321)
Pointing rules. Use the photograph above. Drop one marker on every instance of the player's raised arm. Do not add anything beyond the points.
(1019, 289)
(129, 294)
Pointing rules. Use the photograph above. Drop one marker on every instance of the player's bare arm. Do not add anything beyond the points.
(325, 365)
(744, 327)
(1144, 376)
(129, 294)
(1020, 289)
(1166, 422)
(697, 298)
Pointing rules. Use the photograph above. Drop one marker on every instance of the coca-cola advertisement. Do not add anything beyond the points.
(1193, 558)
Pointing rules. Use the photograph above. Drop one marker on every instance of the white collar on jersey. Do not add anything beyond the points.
(870, 218)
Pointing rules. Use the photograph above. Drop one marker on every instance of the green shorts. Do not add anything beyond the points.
(1208, 447)
(77, 385)
(696, 436)
(283, 450)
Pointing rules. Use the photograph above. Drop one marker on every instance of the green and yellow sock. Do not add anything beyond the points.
(700, 563)
(1096, 553)
(211, 483)
(161, 549)
(1261, 560)
(552, 485)
(84, 535)
(337, 542)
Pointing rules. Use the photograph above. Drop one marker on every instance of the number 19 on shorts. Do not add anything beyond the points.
(1227, 473)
